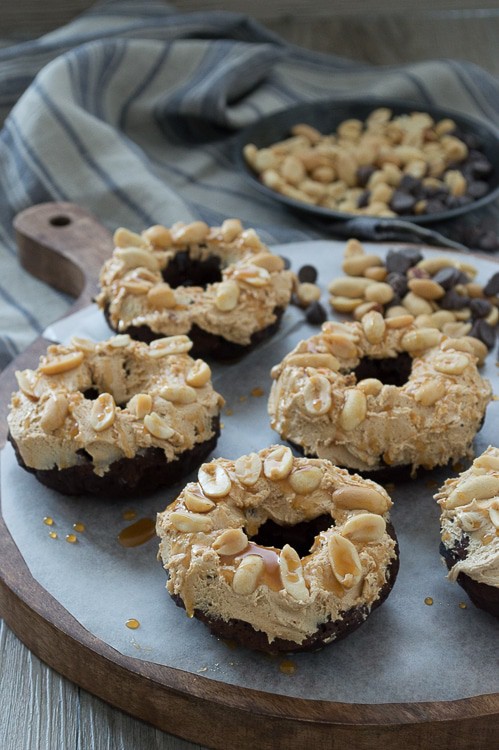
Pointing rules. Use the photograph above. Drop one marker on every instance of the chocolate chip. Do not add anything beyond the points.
(402, 203)
(316, 314)
(363, 199)
(408, 183)
(491, 288)
(485, 332)
(434, 206)
(287, 262)
(307, 274)
(477, 189)
(449, 277)
(479, 164)
(480, 308)
(363, 174)
(398, 282)
(397, 262)
(413, 253)
(453, 301)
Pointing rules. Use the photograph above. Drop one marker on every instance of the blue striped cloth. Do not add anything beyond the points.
(131, 111)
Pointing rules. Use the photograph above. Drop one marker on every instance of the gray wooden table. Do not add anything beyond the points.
(39, 709)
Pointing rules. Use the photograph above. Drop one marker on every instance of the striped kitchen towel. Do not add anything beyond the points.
(131, 111)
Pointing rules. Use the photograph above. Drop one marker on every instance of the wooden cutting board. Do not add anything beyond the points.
(65, 246)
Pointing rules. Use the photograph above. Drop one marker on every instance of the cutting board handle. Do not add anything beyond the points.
(64, 246)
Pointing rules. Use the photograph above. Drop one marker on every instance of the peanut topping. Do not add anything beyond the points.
(137, 257)
(230, 542)
(317, 395)
(214, 480)
(344, 560)
(179, 394)
(317, 360)
(140, 405)
(199, 374)
(230, 229)
(125, 238)
(103, 412)
(248, 469)
(292, 574)
(64, 363)
(364, 527)
(278, 463)
(474, 488)
(162, 295)
(247, 575)
(252, 275)
(305, 479)
(26, 380)
(54, 412)
(195, 501)
(158, 235)
(119, 341)
(197, 231)
(227, 295)
(272, 263)
(374, 327)
(353, 497)
(190, 523)
(169, 345)
(452, 364)
(158, 426)
(86, 345)
(354, 409)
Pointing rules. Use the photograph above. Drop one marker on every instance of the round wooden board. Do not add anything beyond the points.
(65, 247)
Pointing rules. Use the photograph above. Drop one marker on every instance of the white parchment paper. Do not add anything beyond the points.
(406, 651)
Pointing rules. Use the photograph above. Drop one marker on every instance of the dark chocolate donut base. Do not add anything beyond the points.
(126, 477)
(385, 473)
(206, 344)
(331, 631)
(482, 595)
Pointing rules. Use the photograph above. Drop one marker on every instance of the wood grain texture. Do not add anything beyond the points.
(199, 709)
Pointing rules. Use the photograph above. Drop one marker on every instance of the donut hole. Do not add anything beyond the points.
(183, 270)
(300, 536)
(390, 370)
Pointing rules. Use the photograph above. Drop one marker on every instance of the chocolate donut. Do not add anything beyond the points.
(220, 285)
(469, 525)
(380, 393)
(279, 553)
(117, 417)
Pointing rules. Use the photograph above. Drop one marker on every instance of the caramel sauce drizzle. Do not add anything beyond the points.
(271, 575)
(137, 533)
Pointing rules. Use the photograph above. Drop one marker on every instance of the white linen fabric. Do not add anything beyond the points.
(131, 110)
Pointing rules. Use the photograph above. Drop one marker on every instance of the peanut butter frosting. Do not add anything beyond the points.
(470, 508)
(112, 400)
(216, 566)
(253, 283)
(318, 402)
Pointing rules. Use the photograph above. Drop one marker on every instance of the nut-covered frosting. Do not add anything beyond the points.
(215, 567)
(470, 511)
(148, 396)
(253, 285)
(317, 401)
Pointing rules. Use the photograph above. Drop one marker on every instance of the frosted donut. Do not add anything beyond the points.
(117, 417)
(279, 553)
(221, 286)
(380, 393)
(469, 525)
